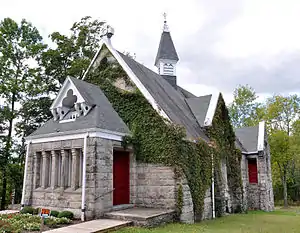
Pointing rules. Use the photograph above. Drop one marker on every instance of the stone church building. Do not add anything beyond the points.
(76, 162)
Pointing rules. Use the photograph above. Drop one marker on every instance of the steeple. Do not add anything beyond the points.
(167, 58)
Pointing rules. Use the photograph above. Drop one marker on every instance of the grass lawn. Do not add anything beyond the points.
(279, 221)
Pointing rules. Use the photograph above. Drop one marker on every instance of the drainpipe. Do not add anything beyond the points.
(25, 175)
(84, 177)
(213, 187)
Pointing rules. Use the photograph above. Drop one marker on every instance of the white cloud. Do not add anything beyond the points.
(220, 43)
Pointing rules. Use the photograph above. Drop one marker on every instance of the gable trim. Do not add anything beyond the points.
(131, 75)
(261, 136)
(211, 109)
(61, 91)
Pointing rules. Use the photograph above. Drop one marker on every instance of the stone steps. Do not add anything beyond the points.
(148, 217)
(94, 226)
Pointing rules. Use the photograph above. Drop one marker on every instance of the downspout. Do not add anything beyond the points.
(83, 177)
(213, 187)
(25, 175)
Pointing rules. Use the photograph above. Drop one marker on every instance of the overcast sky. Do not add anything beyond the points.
(220, 43)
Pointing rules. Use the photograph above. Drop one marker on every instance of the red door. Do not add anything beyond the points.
(121, 178)
(252, 171)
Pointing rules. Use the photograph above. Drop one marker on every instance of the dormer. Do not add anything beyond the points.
(69, 103)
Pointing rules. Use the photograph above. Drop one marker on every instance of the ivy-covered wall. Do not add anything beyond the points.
(221, 132)
(156, 141)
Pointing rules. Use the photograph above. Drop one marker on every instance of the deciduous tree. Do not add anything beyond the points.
(245, 110)
(20, 53)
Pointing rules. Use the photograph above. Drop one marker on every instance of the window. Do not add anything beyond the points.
(252, 171)
(168, 69)
(80, 167)
(49, 165)
(67, 176)
(65, 169)
(59, 170)
(39, 169)
(48, 171)
(69, 169)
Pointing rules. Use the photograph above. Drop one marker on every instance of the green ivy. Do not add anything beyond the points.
(221, 132)
(179, 203)
(154, 140)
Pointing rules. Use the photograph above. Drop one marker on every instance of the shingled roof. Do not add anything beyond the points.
(102, 115)
(172, 101)
(199, 107)
(248, 136)
(166, 49)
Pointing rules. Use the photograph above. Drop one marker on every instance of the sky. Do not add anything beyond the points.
(221, 44)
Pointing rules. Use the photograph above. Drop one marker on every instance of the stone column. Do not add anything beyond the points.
(35, 171)
(54, 171)
(44, 175)
(75, 169)
(63, 169)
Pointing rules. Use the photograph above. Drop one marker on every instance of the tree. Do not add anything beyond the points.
(282, 111)
(73, 53)
(282, 156)
(281, 116)
(245, 110)
(20, 54)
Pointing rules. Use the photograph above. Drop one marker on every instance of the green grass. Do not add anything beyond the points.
(279, 221)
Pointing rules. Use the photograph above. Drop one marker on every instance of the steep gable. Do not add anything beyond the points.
(167, 101)
(253, 137)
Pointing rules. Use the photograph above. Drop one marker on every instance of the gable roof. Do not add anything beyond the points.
(248, 136)
(166, 49)
(102, 115)
(185, 93)
(169, 99)
(199, 107)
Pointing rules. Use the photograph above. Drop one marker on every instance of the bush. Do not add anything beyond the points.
(53, 222)
(54, 213)
(36, 211)
(27, 210)
(66, 214)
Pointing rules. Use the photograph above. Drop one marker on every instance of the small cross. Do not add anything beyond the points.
(165, 16)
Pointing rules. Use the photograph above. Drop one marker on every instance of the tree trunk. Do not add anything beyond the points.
(285, 201)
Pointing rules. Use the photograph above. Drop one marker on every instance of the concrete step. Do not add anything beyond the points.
(94, 226)
(148, 217)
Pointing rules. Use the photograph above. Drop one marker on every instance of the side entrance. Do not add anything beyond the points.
(121, 176)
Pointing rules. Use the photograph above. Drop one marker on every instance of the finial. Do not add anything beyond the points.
(107, 31)
(166, 28)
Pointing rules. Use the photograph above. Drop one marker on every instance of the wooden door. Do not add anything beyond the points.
(252, 171)
(121, 166)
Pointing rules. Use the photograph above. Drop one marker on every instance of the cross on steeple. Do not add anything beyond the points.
(166, 28)
(167, 58)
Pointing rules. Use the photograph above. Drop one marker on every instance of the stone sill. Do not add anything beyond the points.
(58, 190)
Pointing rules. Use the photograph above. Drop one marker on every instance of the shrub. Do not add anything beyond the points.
(36, 211)
(53, 222)
(54, 213)
(27, 210)
(66, 214)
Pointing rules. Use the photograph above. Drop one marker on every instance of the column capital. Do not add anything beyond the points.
(63, 153)
(36, 155)
(53, 153)
(44, 154)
